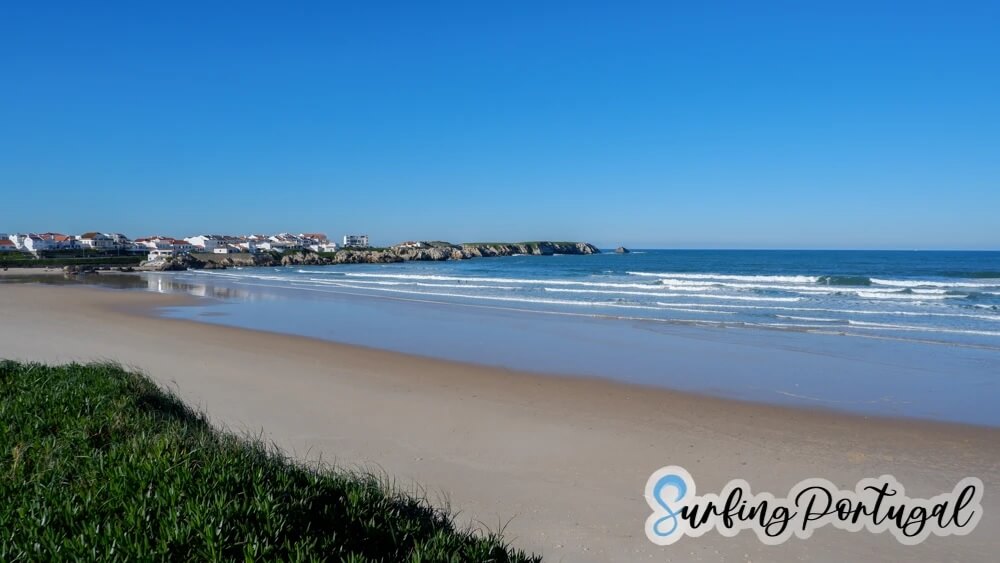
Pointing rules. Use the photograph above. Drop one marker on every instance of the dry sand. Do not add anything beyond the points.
(561, 461)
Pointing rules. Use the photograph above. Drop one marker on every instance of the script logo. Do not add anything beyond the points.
(876, 505)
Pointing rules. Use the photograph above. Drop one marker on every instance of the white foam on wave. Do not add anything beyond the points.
(928, 283)
(419, 299)
(434, 277)
(809, 319)
(618, 292)
(803, 289)
(677, 287)
(676, 275)
(700, 311)
(995, 318)
(907, 296)
(349, 285)
(877, 326)
(241, 276)
(422, 284)
(792, 325)
(689, 295)
(885, 326)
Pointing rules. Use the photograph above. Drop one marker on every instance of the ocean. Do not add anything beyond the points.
(890, 333)
(946, 297)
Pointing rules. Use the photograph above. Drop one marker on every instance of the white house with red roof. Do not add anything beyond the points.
(165, 243)
(60, 241)
(95, 240)
(35, 243)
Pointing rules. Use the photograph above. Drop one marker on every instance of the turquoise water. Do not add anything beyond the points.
(951, 297)
(897, 333)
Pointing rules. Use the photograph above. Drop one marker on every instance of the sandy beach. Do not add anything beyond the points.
(560, 462)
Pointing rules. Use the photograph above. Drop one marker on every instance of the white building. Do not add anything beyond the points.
(18, 240)
(318, 238)
(357, 241)
(323, 247)
(158, 255)
(204, 243)
(287, 241)
(35, 244)
(120, 241)
(60, 241)
(98, 241)
(181, 246)
(166, 243)
(155, 243)
(411, 244)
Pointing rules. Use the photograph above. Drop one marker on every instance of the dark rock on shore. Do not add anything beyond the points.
(206, 261)
(427, 251)
(436, 251)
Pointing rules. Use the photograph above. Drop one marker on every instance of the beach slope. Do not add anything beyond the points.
(561, 462)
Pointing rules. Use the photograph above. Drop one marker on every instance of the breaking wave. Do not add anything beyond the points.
(782, 279)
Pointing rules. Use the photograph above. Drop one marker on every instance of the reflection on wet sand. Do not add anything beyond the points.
(156, 282)
(107, 280)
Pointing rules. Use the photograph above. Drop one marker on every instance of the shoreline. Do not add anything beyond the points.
(598, 382)
(860, 374)
(565, 457)
(889, 378)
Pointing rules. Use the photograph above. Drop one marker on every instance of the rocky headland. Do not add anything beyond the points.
(423, 251)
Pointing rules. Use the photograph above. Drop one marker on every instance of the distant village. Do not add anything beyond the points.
(163, 247)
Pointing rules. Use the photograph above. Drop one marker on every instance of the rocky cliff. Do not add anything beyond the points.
(541, 248)
(431, 251)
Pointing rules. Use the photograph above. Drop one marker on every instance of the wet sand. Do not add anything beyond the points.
(561, 461)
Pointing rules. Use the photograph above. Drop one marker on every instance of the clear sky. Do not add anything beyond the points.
(653, 124)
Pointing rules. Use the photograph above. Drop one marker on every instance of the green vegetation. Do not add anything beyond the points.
(97, 463)
(80, 253)
(23, 261)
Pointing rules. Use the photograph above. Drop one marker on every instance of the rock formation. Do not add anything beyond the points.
(429, 251)
(206, 261)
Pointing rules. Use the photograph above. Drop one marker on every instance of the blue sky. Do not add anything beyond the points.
(695, 124)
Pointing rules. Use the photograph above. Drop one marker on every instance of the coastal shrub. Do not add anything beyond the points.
(98, 463)
(82, 253)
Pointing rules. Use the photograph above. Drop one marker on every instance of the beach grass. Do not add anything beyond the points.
(99, 463)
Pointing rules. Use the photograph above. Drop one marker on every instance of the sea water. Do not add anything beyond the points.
(881, 332)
